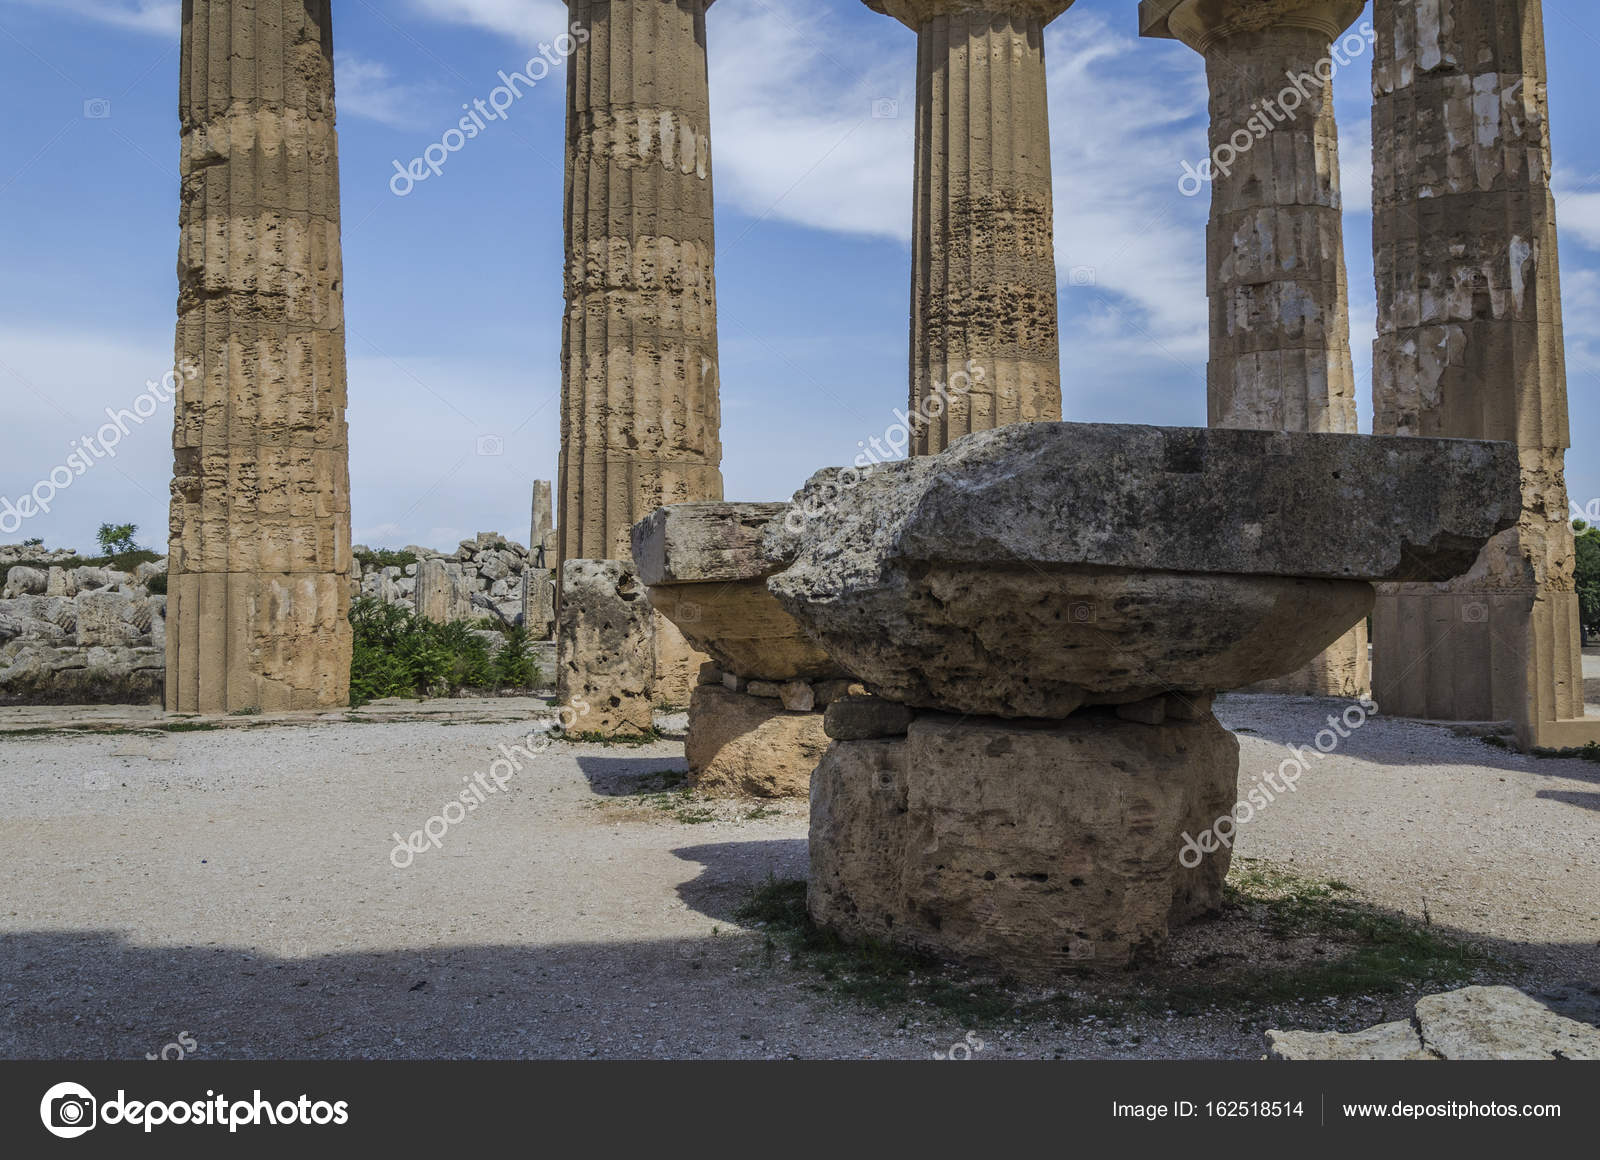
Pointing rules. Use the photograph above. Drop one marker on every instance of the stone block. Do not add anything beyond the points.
(1024, 846)
(606, 647)
(744, 745)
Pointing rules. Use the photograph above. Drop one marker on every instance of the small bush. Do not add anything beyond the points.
(400, 654)
(157, 584)
(371, 561)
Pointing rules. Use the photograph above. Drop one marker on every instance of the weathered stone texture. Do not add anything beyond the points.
(739, 744)
(984, 345)
(1470, 345)
(1035, 568)
(606, 647)
(260, 540)
(707, 572)
(640, 412)
(1028, 846)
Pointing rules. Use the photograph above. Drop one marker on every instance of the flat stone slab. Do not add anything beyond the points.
(1032, 569)
(1471, 1023)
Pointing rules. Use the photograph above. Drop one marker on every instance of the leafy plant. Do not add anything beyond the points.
(377, 558)
(117, 539)
(1588, 573)
(400, 654)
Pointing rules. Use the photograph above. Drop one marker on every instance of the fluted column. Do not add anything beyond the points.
(1470, 345)
(1275, 273)
(260, 530)
(984, 346)
(640, 417)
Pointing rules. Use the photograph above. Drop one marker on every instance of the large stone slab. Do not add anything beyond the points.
(1034, 568)
(1028, 847)
(707, 571)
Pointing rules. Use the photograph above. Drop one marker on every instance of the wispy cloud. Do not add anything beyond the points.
(525, 21)
(157, 17)
(368, 88)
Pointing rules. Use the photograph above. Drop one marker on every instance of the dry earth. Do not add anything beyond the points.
(237, 886)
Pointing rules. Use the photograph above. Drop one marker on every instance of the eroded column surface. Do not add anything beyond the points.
(1275, 272)
(1470, 344)
(640, 413)
(984, 347)
(260, 526)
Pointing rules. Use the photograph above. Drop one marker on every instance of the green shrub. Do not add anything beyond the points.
(157, 584)
(372, 560)
(400, 654)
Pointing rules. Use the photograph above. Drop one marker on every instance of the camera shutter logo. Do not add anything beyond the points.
(68, 1110)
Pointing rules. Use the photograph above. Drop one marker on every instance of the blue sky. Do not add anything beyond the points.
(453, 293)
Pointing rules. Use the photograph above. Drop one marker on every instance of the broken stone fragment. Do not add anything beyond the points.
(707, 570)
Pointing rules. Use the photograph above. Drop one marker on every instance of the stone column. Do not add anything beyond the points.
(640, 417)
(260, 537)
(543, 522)
(984, 348)
(1470, 345)
(1275, 273)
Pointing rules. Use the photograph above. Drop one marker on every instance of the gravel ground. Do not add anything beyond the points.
(237, 888)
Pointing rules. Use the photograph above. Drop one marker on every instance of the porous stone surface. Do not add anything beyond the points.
(1471, 1023)
(1030, 569)
(1470, 344)
(739, 744)
(640, 416)
(605, 642)
(706, 568)
(260, 522)
(984, 343)
(1397, 1040)
(1028, 846)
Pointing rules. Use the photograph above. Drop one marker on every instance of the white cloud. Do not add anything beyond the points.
(367, 88)
(524, 21)
(158, 17)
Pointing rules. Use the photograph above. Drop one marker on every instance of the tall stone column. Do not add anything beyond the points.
(259, 588)
(984, 345)
(1470, 345)
(1275, 272)
(640, 417)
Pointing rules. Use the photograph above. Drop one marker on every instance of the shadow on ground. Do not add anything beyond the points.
(625, 775)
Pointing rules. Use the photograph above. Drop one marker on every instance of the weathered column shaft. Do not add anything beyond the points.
(640, 417)
(1280, 319)
(1470, 345)
(984, 345)
(1275, 273)
(259, 587)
